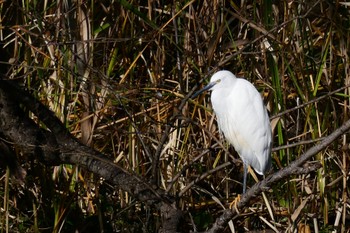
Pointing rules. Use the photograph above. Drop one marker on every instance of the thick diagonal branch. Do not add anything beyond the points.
(292, 169)
(58, 146)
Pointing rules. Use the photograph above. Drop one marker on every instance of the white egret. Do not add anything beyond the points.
(243, 119)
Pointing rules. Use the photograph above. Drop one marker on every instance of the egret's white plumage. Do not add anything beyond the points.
(243, 119)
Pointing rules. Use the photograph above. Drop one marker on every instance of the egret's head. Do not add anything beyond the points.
(219, 79)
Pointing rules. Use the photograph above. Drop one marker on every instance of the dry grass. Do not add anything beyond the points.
(115, 74)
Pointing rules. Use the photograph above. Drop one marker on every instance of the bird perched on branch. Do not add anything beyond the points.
(243, 119)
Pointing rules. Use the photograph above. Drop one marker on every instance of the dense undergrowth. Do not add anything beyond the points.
(116, 72)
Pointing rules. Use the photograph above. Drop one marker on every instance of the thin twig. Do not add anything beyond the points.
(309, 102)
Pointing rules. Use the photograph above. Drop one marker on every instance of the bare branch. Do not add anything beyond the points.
(292, 169)
(59, 146)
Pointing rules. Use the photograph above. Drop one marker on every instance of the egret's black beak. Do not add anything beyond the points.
(207, 87)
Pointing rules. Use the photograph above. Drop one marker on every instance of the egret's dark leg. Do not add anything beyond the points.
(238, 198)
(245, 170)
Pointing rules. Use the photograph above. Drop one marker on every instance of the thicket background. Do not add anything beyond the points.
(116, 74)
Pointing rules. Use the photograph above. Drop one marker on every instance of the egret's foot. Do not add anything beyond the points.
(234, 202)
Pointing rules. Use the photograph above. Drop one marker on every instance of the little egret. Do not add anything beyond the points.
(243, 119)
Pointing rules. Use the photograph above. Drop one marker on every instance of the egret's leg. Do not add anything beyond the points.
(238, 198)
(245, 171)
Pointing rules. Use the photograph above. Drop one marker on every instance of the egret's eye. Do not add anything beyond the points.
(219, 80)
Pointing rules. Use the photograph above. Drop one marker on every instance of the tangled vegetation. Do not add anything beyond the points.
(118, 74)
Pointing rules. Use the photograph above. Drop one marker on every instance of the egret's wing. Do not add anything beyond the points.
(263, 135)
(243, 120)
